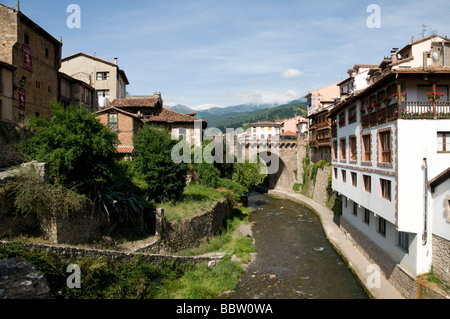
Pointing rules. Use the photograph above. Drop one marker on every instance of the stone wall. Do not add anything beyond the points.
(9, 137)
(181, 235)
(399, 278)
(441, 259)
(69, 254)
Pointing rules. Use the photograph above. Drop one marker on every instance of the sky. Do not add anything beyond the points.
(205, 53)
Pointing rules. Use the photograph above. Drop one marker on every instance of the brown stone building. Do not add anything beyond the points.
(36, 55)
(127, 116)
(6, 91)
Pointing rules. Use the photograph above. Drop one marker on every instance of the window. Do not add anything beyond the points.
(382, 226)
(38, 84)
(352, 115)
(385, 189)
(342, 119)
(335, 150)
(366, 148)
(403, 241)
(335, 173)
(344, 176)
(385, 147)
(443, 142)
(46, 52)
(343, 148)
(355, 209)
(113, 122)
(353, 150)
(367, 183)
(354, 180)
(367, 216)
(26, 39)
(102, 76)
(49, 89)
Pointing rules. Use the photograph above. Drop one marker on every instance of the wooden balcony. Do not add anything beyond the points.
(409, 111)
(324, 142)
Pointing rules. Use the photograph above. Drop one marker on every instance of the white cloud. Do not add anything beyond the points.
(266, 97)
(292, 73)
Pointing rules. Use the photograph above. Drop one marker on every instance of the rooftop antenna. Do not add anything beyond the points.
(423, 30)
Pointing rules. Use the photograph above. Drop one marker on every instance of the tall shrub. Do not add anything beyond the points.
(152, 161)
(78, 149)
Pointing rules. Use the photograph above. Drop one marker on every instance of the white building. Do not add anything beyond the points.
(389, 143)
(265, 130)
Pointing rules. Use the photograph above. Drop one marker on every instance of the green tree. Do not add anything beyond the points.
(78, 149)
(152, 161)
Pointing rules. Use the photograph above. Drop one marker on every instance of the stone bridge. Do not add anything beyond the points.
(283, 158)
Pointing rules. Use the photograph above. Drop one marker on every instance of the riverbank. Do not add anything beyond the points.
(355, 259)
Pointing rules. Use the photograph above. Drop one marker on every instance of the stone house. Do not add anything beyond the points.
(6, 92)
(108, 80)
(265, 130)
(75, 92)
(36, 56)
(127, 116)
(390, 146)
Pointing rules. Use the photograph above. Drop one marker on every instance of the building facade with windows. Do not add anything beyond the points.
(6, 92)
(36, 56)
(389, 142)
(75, 92)
(265, 130)
(108, 80)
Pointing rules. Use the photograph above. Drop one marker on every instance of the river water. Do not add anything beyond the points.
(295, 259)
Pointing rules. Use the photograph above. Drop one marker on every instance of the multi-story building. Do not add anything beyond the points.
(320, 102)
(6, 92)
(75, 92)
(108, 80)
(265, 130)
(36, 56)
(390, 141)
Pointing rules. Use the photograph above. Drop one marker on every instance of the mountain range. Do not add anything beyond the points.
(242, 115)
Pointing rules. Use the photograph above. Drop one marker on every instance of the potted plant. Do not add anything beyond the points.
(402, 97)
(433, 96)
(387, 101)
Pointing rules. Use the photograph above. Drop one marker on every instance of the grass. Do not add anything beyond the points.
(102, 279)
(195, 199)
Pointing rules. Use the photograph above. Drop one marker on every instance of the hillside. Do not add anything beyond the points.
(243, 120)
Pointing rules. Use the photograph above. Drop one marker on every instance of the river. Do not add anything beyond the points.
(295, 259)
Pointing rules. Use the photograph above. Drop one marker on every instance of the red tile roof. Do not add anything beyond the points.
(289, 133)
(124, 149)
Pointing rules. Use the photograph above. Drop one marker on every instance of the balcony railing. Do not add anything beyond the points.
(324, 142)
(409, 110)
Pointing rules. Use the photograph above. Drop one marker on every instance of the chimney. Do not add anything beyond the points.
(413, 39)
(18, 6)
(394, 57)
(115, 60)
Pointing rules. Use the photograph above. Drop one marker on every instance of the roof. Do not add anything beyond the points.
(289, 133)
(7, 66)
(435, 182)
(265, 123)
(144, 102)
(172, 117)
(112, 108)
(73, 80)
(76, 55)
(124, 149)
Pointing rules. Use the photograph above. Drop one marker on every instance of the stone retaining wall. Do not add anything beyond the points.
(399, 278)
(441, 259)
(69, 254)
(181, 235)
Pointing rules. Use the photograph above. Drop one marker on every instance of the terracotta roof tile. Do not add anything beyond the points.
(147, 102)
(124, 149)
(168, 116)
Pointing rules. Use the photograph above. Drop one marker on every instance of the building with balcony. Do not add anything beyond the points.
(319, 103)
(108, 80)
(388, 142)
(75, 92)
(36, 57)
